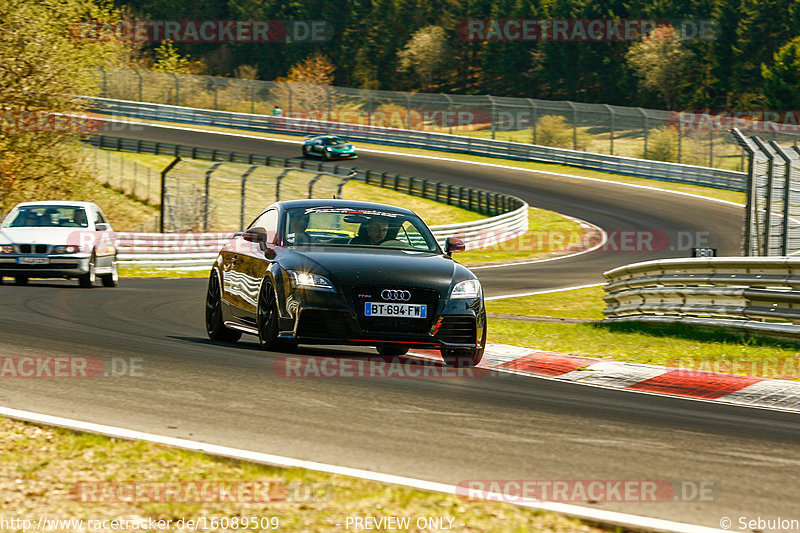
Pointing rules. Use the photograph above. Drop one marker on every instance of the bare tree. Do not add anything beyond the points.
(661, 60)
(308, 85)
(424, 54)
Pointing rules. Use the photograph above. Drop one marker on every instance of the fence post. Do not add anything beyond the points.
(141, 92)
(252, 97)
(164, 191)
(105, 82)
(177, 88)
(534, 118)
(216, 95)
(408, 111)
(491, 100)
(611, 137)
(574, 125)
(450, 113)
(207, 192)
(244, 193)
(645, 128)
(289, 86)
(711, 146)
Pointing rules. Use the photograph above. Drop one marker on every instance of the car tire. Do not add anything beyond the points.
(305, 151)
(21, 280)
(391, 349)
(111, 280)
(267, 321)
(215, 328)
(326, 156)
(465, 357)
(87, 281)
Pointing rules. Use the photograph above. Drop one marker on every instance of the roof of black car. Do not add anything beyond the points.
(316, 202)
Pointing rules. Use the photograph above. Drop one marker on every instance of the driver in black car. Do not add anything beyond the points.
(372, 232)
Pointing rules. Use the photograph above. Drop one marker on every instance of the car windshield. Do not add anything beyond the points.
(38, 216)
(357, 227)
(332, 141)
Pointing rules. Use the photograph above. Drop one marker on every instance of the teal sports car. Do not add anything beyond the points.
(329, 147)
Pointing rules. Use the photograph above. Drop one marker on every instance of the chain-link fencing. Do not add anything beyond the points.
(676, 136)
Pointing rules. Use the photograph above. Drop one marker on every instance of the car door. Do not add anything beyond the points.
(251, 263)
(104, 250)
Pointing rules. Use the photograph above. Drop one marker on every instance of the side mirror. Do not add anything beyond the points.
(101, 226)
(453, 245)
(257, 235)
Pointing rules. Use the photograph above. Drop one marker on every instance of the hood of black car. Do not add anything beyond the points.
(380, 267)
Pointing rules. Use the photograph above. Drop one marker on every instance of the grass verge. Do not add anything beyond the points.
(677, 345)
(53, 472)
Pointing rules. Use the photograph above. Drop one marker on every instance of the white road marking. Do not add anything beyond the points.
(546, 291)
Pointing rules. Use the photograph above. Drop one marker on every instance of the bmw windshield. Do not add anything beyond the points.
(338, 226)
(48, 216)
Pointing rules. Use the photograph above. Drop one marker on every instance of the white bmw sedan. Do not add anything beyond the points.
(59, 239)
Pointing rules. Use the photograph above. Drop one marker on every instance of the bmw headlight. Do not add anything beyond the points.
(69, 249)
(309, 280)
(6, 249)
(470, 288)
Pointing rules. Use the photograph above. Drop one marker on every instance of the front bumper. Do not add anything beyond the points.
(317, 317)
(57, 266)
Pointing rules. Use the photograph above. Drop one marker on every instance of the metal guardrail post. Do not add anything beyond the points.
(751, 214)
(787, 181)
(164, 190)
(767, 150)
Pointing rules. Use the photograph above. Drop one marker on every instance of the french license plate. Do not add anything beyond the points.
(398, 310)
(33, 260)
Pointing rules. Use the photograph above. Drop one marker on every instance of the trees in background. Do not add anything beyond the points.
(373, 41)
(44, 63)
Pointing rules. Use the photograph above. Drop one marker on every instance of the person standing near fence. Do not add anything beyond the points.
(277, 112)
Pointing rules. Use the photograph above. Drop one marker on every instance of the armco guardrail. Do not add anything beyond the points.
(756, 294)
(645, 168)
(197, 251)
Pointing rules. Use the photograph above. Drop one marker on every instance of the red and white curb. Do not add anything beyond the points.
(696, 384)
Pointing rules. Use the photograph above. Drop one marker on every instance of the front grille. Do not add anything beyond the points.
(457, 330)
(33, 248)
(415, 326)
(316, 323)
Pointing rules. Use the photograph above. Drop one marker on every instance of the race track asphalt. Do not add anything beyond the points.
(490, 426)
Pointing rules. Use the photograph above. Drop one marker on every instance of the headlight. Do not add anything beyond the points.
(311, 281)
(6, 249)
(329, 149)
(470, 288)
(70, 249)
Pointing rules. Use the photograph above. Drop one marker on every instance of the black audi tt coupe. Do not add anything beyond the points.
(346, 272)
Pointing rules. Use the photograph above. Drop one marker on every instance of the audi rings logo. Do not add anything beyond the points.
(396, 295)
